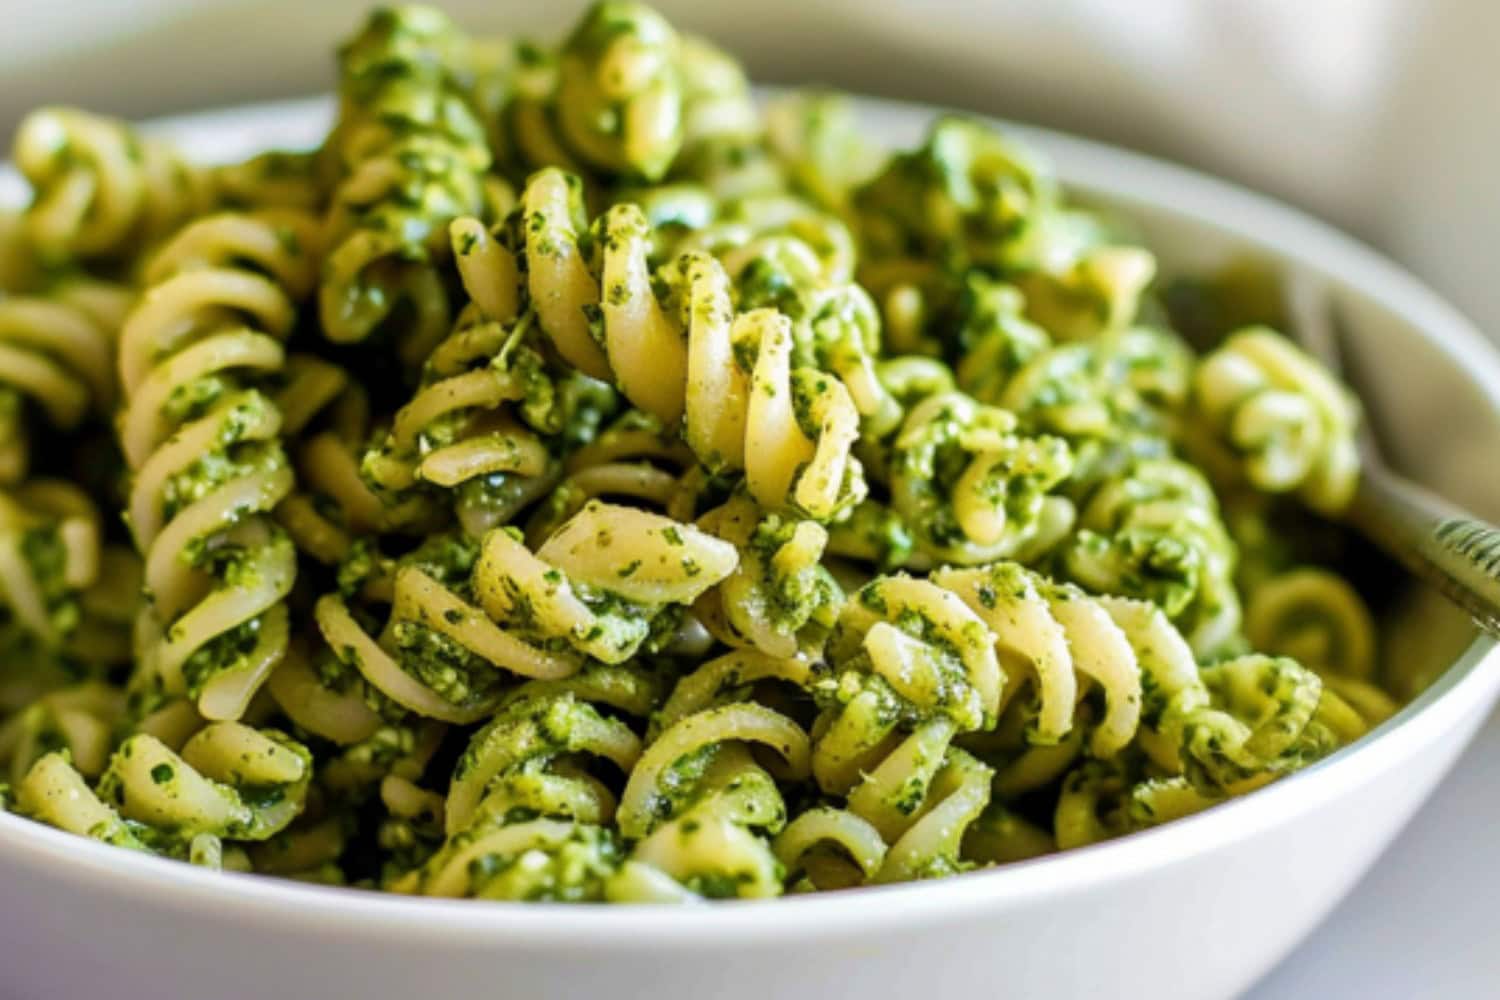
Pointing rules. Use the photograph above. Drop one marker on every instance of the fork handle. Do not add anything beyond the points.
(1438, 541)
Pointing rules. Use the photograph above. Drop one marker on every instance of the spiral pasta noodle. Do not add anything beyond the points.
(729, 378)
(780, 599)
(913, 667)
(411, 157)
(621, 59)
(723, 145)
(816, 137)
(1279, 419)
(332, 505)
(701, 807)
(1067, 640)
(1155, 532)
(973, 489)
(49, 552)
(633, 460)
(966, 196)
(522, 819)
(609, 100)
(79, 719)
(491, 409)
(229, 782)
(603, 585)
(1080, 282)
(1112, 398)
(56, 357)
(99, 187)
(1315, 617)
(205, 450)
(968, 201)
(1217, 729)
(275, 179)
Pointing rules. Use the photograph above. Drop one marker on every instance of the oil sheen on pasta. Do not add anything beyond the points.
(572, 481)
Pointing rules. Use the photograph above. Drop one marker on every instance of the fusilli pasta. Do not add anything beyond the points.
(568, 482)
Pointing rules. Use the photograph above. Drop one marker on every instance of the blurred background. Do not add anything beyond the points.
(1377, 115)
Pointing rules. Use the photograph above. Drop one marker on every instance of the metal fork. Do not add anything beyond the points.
(1440, 542)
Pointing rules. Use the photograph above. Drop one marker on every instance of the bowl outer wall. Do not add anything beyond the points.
(1195, 909)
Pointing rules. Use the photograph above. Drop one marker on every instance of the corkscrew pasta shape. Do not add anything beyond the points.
(1279, 418)
(229, 782)
(411, 157)
(56, 357)
(204, 446)
(100, 189)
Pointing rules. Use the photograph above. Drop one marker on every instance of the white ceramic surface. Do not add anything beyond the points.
(1198, 908)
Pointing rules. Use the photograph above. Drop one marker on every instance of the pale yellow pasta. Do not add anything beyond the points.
(56, 355)
(710, 851)
(1092, 806)
(561, 288)
(791, 428)
(381, 668)
(524, 764)
(308, 853)
(1155, 533)
(737, 722)
(931, 846)
(54, 792)
(1316, 618)
(804, 847)
(533, 731)
(999, 836)
(875, 620)
(80, 718)
(618, 103)
(274, 179)
(711, 823)
(634, 461)
(1094, 292)
(342, 717)
(1282, 420)
(973, 488)
(915, 668)
(50, 552)
(409, 157)
(332, 504)
(100, 189)
(699, 689)
(207, 474)
(780, 599)
(491, 442)
(602, 540)
(151, 797)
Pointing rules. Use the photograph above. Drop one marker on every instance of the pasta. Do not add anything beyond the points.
(1286, 422)
(204, 447)
(101, 190)
(56, 357)
(569, 482)
(409, 156)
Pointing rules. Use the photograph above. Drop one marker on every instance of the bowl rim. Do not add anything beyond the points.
(1127, 177)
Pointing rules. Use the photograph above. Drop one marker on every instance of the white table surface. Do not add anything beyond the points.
(1423, 923)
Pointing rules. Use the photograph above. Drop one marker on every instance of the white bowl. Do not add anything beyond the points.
(1197, 908)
